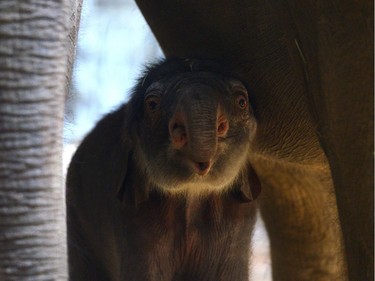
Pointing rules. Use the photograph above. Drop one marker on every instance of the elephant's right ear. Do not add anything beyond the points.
(121, 162)
(132, 188)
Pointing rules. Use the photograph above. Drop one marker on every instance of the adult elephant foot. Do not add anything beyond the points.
(300, 213)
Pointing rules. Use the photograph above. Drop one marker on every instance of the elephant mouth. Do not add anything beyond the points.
(202, 168)
(199, 167)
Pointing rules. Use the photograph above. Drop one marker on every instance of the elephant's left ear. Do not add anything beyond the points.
(131, 184)
(248, 185)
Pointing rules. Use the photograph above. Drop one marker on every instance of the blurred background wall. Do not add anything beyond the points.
(114, 44)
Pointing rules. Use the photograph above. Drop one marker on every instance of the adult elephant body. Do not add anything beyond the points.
(309, 66)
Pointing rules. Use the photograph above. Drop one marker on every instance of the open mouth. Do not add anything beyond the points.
(202, 168)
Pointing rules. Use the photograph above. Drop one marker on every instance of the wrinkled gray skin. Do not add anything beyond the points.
(161, 189)
(37, 41)
(309, 65)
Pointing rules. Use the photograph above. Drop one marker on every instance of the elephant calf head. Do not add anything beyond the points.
(176, 155)
(190, 124)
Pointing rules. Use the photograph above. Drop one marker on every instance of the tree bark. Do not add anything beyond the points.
(34, 67)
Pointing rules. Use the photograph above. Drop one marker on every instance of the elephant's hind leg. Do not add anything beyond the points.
(300, 215)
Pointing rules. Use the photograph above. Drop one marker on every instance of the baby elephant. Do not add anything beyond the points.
(160, 190)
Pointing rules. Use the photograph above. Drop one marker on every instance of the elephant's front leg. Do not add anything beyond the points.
(300, 215)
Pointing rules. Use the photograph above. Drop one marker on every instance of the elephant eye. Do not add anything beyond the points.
(242, 101)
(152, 103)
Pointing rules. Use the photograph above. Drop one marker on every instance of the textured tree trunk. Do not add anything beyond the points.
(34, 67)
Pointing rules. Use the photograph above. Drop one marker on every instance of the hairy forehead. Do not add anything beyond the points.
(197, 79)
(173, 67)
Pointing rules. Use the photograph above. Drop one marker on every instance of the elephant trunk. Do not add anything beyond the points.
(201, 131)
(195, 127)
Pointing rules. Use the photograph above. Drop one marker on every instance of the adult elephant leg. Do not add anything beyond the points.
(336, 44)
(299, 210)
(33, 76)
(348, 142)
